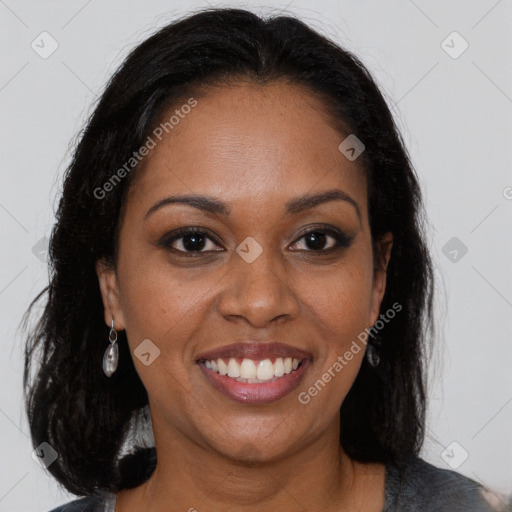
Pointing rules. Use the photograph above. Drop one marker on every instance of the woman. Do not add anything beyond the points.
(239, 251)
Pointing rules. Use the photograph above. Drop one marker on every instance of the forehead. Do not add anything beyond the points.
(246, 142)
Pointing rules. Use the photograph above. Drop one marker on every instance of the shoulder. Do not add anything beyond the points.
(418, 485)
(99, 502)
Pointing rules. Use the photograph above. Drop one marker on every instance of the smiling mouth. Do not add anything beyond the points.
(254, 381)
(253, 371)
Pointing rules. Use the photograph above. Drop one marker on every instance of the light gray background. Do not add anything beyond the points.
(455, 115)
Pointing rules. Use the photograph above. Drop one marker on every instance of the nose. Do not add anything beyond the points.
(258, 292)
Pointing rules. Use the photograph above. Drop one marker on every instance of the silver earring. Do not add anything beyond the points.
(111, 355)
(372, 352)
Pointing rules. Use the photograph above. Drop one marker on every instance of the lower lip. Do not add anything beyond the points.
(261, 393)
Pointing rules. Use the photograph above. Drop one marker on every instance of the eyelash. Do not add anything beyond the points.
(343, 241)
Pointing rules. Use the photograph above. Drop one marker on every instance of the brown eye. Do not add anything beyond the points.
(188, 241)
(316, 240)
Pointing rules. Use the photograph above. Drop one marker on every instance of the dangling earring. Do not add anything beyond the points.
(373, 352)
(111, 355)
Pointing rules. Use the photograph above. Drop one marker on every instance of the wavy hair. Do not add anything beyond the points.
(86, 416)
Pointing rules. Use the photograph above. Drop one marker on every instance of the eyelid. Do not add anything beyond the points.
(166, 241)
(342, 239)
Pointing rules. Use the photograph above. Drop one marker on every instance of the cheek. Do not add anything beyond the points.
(166, 305)
(340, 308)
(154, 294)
(159, 307)
(341, 300)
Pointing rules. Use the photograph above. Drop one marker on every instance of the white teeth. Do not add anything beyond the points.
(251, 371)
(279, 367)
(233, 368)
(248, 369)
(223, 367)
(265, 370)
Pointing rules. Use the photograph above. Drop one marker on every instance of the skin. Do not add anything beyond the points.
(254, 148)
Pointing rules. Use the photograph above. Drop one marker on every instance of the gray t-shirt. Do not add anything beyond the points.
(422, 487)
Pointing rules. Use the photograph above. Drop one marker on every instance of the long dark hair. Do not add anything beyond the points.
(84, 415)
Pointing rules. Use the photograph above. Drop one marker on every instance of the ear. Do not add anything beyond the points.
(379, 274)
(109, 288)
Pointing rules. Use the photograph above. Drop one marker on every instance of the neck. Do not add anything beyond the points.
(319, 476)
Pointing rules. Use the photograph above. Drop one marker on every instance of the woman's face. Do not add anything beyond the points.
(254, 277)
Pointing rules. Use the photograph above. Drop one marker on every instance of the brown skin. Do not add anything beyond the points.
(254, 148)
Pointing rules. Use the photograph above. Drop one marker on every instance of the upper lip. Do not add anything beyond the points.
(255, 350)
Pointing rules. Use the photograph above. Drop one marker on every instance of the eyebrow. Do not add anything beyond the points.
(212, 205)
